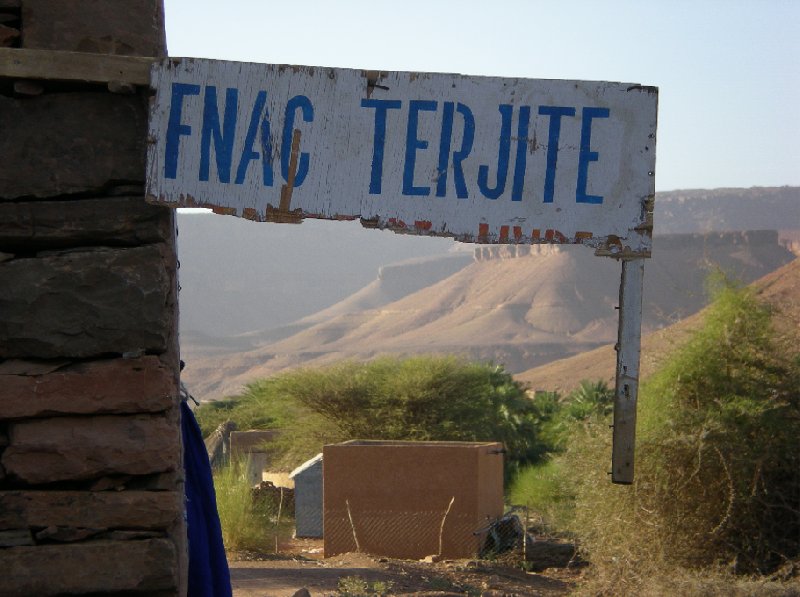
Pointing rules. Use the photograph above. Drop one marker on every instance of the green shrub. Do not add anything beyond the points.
(541, 488)
(248, 410)
(390, 398)
(717, 459)
(589, 400)
(556, 416)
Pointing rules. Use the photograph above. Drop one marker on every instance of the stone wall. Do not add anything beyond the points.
(91, 496)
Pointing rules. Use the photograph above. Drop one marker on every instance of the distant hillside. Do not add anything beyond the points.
(394, 281)
(519, 306)
(707, 210)
(780, 289)
(239, 277)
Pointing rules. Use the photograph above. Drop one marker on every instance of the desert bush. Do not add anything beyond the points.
(420, 398)
(557, 415)
(248, 410)
(542, 486)
(718, 465)
(390, 398)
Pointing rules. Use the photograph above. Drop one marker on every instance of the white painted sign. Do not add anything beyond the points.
(482, 159)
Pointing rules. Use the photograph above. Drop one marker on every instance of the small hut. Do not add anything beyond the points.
(308, 498)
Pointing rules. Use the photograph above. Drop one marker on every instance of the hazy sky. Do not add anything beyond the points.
(728, 70)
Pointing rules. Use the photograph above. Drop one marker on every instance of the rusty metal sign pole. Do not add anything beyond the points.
(626, 392)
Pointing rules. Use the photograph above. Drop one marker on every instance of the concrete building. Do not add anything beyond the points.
(307, 480)
(410, 499)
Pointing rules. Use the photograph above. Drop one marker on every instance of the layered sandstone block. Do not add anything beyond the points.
(114, 386)
(65, 143)
(86, 302)
(80, 448)
(98, 567)
(148, 510)
(127, 27)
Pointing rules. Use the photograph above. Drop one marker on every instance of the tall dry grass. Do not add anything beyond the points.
(248, 524)
(715, 507)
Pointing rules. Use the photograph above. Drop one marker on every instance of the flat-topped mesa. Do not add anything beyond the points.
(489, 252)
(663, 242)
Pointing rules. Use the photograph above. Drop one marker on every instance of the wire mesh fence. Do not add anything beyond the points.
(515, 538)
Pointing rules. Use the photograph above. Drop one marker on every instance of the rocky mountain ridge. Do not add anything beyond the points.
(239, 276)
(519, 306)
(780, 289)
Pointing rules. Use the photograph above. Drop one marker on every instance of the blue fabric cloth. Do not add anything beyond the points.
(208, 568)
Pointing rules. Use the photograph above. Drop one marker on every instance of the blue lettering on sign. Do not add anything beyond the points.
(555, 113)
(222, 136)
(248, 152)
(413, 144)
(302, 103)
(174, 127)
(522, 153)
(219, 130)
(506, 111)
(445, 141)
(449, 159)
(586, 154)
(379, 140)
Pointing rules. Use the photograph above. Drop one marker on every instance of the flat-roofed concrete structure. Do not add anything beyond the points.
(410, 499)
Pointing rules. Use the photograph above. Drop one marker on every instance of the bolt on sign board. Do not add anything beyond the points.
(481, 159)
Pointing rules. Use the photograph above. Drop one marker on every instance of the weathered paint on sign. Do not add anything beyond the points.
(482, 159)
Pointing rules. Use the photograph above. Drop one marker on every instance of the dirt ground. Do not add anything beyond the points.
(301, 565)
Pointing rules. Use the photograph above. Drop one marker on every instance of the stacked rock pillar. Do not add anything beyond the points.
(91, 496)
